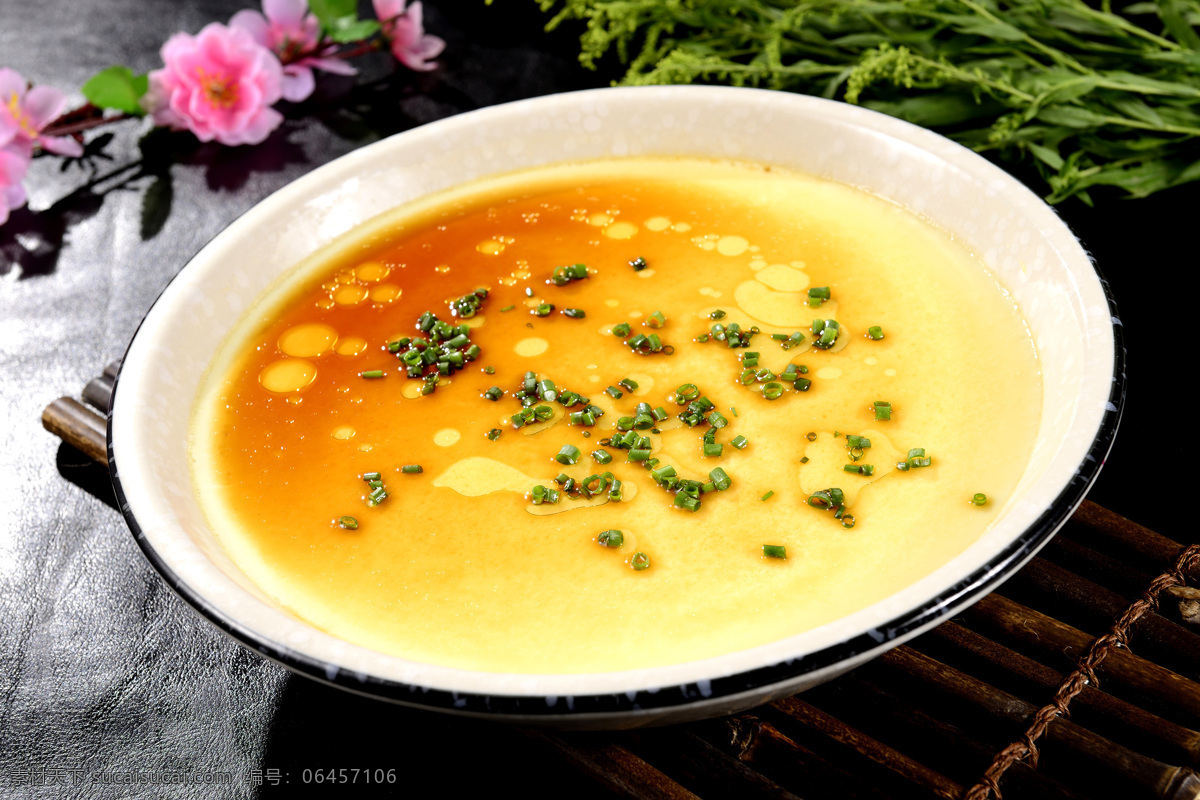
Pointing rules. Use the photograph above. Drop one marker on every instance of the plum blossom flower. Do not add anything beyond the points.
(294, 36)
(219, 84)
(405, 32)
(14, 161)
(29, 111)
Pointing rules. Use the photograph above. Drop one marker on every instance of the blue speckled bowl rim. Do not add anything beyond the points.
(599, 706)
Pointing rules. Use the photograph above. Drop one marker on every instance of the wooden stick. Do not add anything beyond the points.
(762, 745)
(1057, 643)
(891, 759)
(1072, 751)
(1095, 606)
(78, 426)
(903, 719)
(1123, 722)
(610, 766)
(98, 393)
(1106, 530)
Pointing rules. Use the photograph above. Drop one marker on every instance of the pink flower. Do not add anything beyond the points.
(405, 31)
(294, 35)
(28, 111)
(219, 84)
(14, 161)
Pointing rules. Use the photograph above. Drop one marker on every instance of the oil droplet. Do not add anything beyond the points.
(350, 295)
(371, 271)
(646, 273)
(442, 269)
(594, 378)
(707, 245)
(891, 373)
(829, 373)
(351, 346)
(366, 448)
(412, 389)
(295, 400)
(287, 375)
(385, 293)
(344, 432)
(446, 437)
(732, 245)
(708, 291)
(871, 360)
(681, 227)
(325, 304)
(307, 341)
(783, 278)
(621, 230)
(490, 247)
(657, 224)
(599, 220)
(346, 276)
(473, 322)
(533, 346)
(612, 302)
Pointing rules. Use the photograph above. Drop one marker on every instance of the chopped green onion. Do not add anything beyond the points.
(574, 313)
(621, 329)
(638, 264)
(639, 561)
(774, 551)
(859, 469)
(718, 314)
(348, 523)
(371, 476)
(494, 393)
(687, 502)
(749, 360)
(875, 332)
(628, 384)
(611, 538)
(720, 479)
(686, 393)
(569, 454)
(614, 393)
(848, 521)
(768, 495)
(818, 295)
(717, 419)
(883, 410)
(740, 442)
(811, 436)
(614, 491)
(804, 460)
(377, 496)
(507, 308)
(979, 499)
(543, 310)
(412, 469)
(857, 441)
(773, 390)
(601, 456)
(713, 449)
(820, 499)
(639, 454)
(493, 434)
(801, 384)
(655, 320)
(489, 370)
(371, 373)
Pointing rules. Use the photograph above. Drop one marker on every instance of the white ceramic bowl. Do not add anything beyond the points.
(1017, 235)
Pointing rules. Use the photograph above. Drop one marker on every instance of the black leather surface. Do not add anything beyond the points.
(102, 669)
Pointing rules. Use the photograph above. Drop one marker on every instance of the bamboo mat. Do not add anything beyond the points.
(1077, 679)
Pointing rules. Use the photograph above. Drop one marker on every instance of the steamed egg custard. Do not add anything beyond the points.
(615, 415)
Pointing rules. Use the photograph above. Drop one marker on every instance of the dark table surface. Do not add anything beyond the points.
(102, 668)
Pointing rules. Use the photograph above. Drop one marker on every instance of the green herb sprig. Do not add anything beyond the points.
(1090, 96)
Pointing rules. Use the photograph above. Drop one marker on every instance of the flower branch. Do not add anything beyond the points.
(221, 84)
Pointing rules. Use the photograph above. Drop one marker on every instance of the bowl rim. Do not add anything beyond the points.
(718, 689)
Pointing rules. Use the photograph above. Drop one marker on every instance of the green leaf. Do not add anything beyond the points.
(330, 11)
(117, 88)
(156, 205)
(352, 29)
(1071, 117)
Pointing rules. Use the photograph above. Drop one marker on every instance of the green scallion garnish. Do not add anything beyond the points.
(638, 264)
(543, 310)
(569, 454)
(740, 442)
(493, 434)
(507, 308)
(773, 390)
(348, 523)
(883, 410)
(720, 479)
(628, 384)
(412, 469)
(621, 329)
(371, 373)
(574, 313)
(494, 393)
(774, 551)
(655, 320)
(718, 314)
(875, 332)
(979, 499)
(601, 456)
(857, 441)
(768, 495)
(818, 295)
(639, 561)
(859, 469)
(611, 538)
